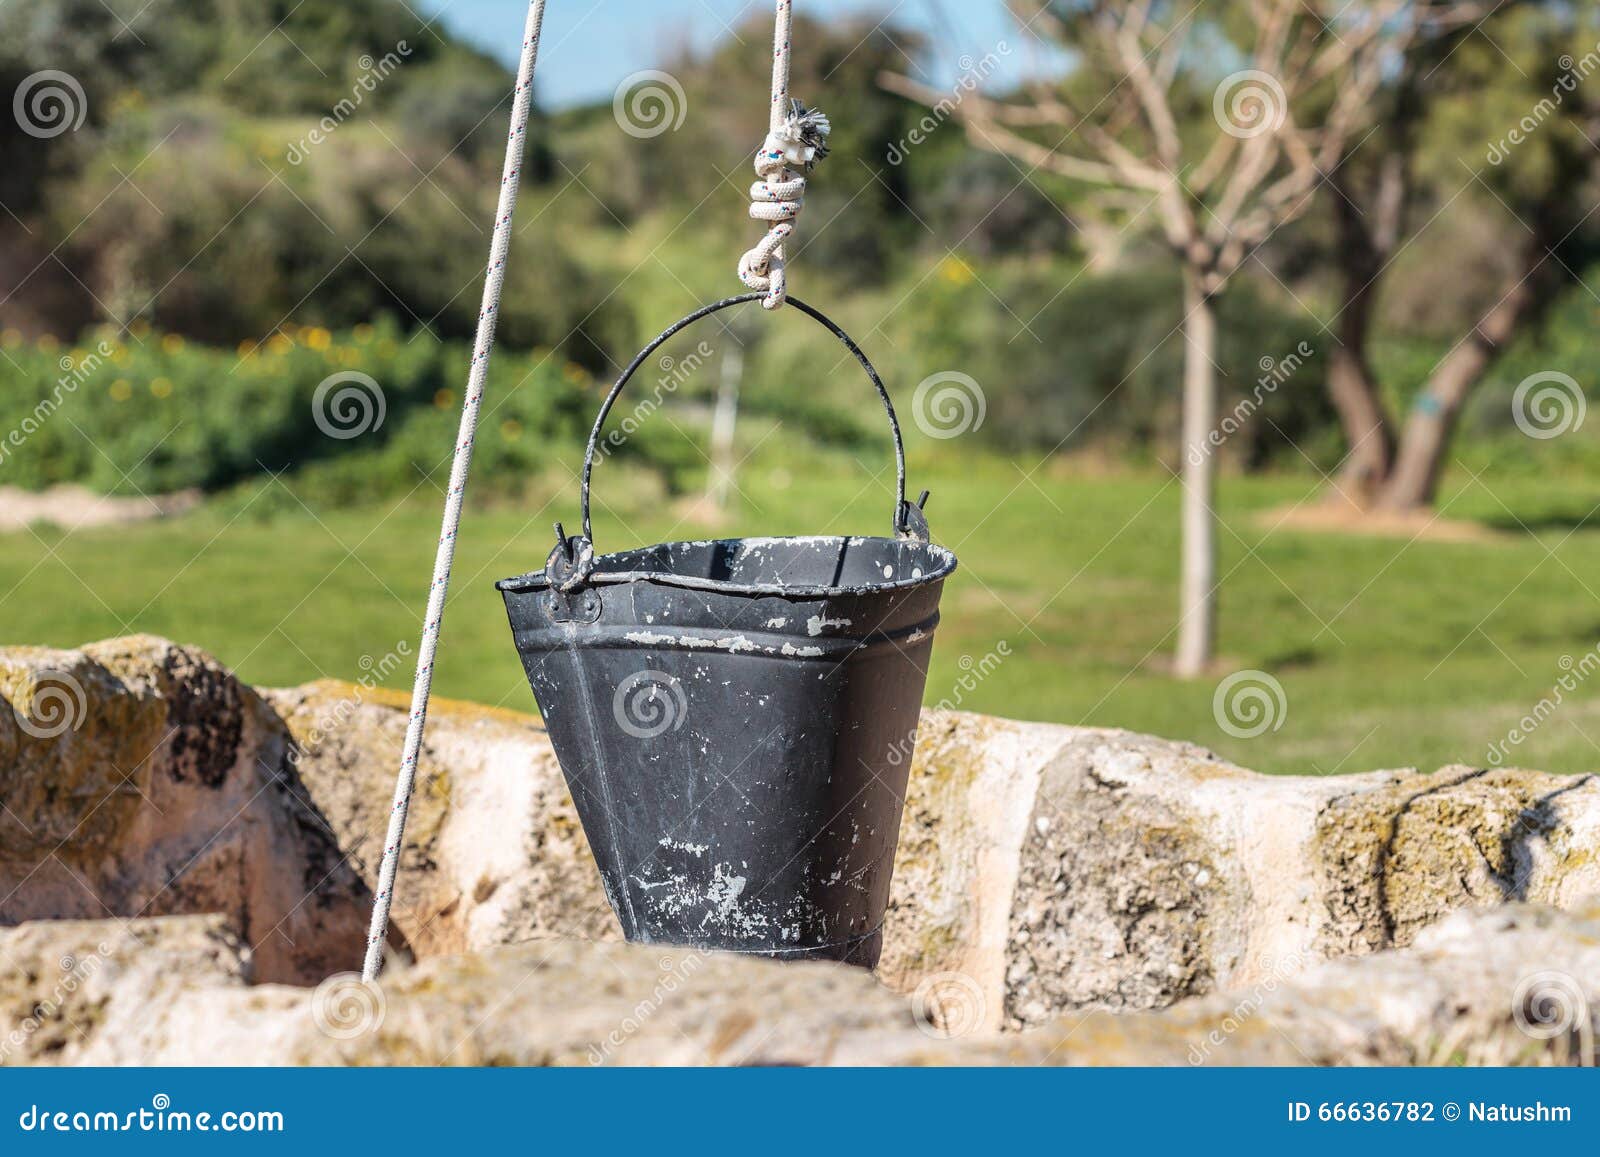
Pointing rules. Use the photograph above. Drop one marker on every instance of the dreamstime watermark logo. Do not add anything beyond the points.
(1274, 372)
(1575, 672)
(49, 703)
(50, 103)
(74, 372)
(649, 703)
(76, 971)
(649, 103)
(1573, 73)
(345, 1007)
(373, 673)
(1551, 1005)
(973, 673)
(349, 404)
(949, 404)
(1249, 703)
(373, 74)
(1250, 103)
(973, 74)
(675, 972)
(1548, 404)
(160, 1117)
(674, 373)
(1277, 970)
(949, 1004)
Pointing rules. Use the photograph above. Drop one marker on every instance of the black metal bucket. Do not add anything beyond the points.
(735, 718)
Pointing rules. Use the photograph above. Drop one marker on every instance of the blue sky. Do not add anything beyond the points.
(590, 45)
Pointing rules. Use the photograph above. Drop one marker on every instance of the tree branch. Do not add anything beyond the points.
(985, 120)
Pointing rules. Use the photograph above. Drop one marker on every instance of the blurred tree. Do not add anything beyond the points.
(1497, 116)
(458, 108)
(243, 165)
(691, 129)
(980, 201)
(1219, 189)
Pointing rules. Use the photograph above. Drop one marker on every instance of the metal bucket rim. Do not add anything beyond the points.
(944, 560)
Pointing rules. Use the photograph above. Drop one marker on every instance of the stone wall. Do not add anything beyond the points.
(1466, 992)
(1044, 872)
(139, 778)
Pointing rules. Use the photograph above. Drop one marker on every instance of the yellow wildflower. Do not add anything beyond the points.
(955, 271)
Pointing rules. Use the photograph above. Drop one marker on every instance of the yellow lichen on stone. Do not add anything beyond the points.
(335, 689)
(75, 750)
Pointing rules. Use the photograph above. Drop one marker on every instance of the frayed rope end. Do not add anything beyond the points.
(789, 152)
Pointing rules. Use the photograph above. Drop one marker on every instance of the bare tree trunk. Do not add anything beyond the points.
(1371, 223)
(1368, 219)
(1197, 596)
(1353, 387)
(723, 423)
(1414, 482)
(1355, 398)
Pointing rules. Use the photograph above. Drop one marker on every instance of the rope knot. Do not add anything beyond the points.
(791, 150)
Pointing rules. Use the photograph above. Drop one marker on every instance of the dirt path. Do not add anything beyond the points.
(74, 507)
(1338, 518)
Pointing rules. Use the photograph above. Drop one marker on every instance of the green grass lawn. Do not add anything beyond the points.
(1390, 652)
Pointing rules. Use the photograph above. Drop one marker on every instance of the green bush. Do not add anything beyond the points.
(155, 414)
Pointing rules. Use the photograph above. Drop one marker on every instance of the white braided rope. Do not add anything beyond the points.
(460, 467)
(780, 193)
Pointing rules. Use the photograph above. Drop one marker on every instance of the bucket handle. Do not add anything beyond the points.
(573, 559)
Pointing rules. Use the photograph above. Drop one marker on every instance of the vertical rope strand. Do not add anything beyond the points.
(494, 284)
(781, 51)
(777, 197)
